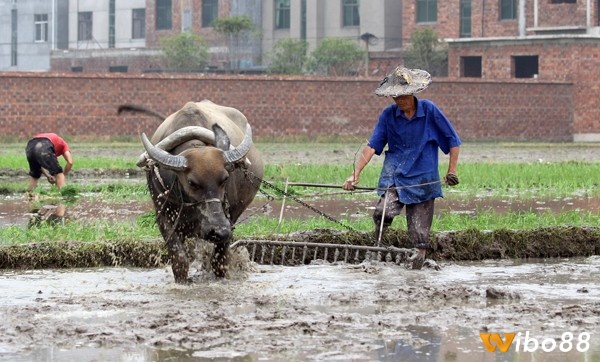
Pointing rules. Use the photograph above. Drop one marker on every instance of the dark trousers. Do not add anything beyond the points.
(40, 153)
(419, 217)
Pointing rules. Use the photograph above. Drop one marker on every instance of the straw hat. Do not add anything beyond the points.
(403, 81)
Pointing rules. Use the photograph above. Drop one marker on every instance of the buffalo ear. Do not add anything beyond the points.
(221, 139)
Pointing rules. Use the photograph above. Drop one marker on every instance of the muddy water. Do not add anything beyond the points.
(17, 210)
(367, 312)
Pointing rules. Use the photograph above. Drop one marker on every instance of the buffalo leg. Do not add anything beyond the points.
(179, 260)
(220, 259)
(179, 264)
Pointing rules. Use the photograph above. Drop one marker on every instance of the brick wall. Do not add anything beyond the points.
(85, 104)
(553, 15)
(153, 36)
(569, 60)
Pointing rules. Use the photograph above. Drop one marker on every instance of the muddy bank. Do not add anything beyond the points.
(446, 246)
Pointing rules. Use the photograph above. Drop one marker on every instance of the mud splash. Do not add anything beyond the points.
(368, 312)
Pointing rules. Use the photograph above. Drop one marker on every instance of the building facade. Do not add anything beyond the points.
(29, 31)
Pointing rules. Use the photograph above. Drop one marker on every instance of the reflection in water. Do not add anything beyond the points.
(47, 214)
(16, 210)
(421, 344)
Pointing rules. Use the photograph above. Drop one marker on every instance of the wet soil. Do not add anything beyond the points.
(332, 310)
(320, 312)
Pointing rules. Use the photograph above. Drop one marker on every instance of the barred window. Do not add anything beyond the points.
(41, 27)
(210, 12)
(138, 23)
(350, 12)
(426, 11)
(508, 9)
(164, 14)
(282, 14)
(465, 18)
(84, 26)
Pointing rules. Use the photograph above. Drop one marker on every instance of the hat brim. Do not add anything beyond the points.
(420, 82)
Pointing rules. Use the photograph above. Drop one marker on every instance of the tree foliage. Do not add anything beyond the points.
(233, 25)
(184, 52)
(237, 30)
(336, 56)
(288, 57)
(427, 52)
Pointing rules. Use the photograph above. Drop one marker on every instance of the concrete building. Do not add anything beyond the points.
(29, 31)
(315, 20)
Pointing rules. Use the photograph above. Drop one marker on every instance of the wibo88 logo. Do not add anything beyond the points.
(493, 341)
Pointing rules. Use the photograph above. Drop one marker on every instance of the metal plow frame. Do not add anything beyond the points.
(277, 250)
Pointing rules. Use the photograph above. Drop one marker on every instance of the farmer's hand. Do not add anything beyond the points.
(350, 183)
(51, 179)
(451, 179)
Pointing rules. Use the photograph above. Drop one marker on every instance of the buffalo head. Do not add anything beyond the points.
(202, 173)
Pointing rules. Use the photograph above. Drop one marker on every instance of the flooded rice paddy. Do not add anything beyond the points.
(373, 311)
(17, 209)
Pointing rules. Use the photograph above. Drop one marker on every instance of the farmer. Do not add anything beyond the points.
(413, 129)
(42, 154)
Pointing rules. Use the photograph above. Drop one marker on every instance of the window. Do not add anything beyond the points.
(164, 15)
(210, 12)
(138, 24)
(111, 24)
(426, 11)
(350, 10)
(282, 14)
(470, 67)
(465, 18)
(84, 26)
(41, 27)
(303, 19)
(186, 24)
(525, 66)
(13, 37)
(117, 68)
(508, 9)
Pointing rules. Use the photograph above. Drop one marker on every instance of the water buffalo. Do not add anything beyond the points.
(202, 171)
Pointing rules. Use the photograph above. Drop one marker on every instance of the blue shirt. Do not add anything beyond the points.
(412, 154)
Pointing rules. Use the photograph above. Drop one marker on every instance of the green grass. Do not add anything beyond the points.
(479, 180)
(96, 231)
(490, 179)
(476, 179)
(145, 227)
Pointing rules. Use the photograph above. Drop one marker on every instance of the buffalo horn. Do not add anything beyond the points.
(177, 163)
(236, 154)
(185, 134)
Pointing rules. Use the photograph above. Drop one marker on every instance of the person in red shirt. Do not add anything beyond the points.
(42, 154)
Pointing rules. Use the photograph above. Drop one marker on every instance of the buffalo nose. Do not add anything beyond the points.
(219, 234)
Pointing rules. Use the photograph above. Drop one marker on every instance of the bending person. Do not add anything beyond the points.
(42, 153)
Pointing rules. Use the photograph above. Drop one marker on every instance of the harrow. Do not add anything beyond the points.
(289, 252)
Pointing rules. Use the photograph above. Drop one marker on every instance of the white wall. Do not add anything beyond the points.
(100, 11)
